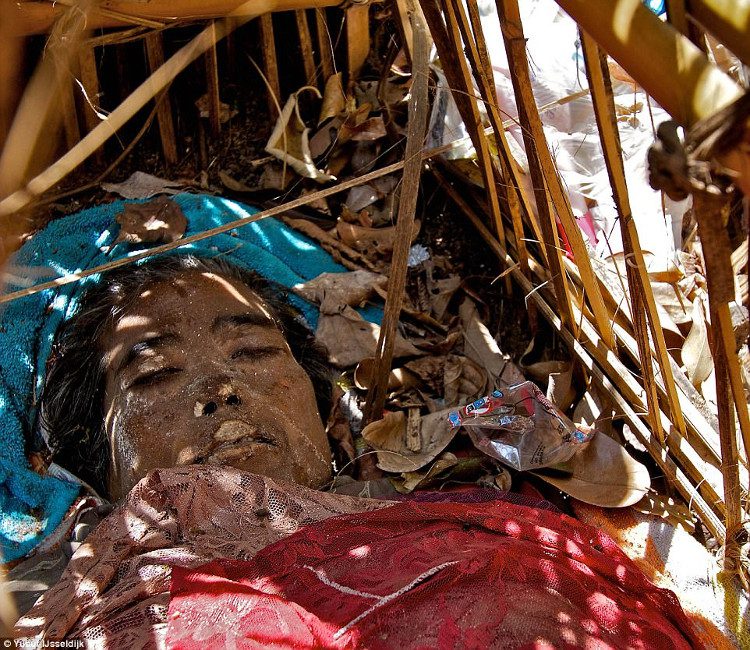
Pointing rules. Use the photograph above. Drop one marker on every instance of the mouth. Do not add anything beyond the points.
(234, 441)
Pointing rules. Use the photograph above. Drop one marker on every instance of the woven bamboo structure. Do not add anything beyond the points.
(708, 468)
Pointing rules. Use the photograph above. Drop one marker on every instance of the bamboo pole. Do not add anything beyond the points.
(728, 22)
(644, 304)
(668, 66)
(39, 17)
(155, 55)
(156, 82)
(709, 212)
(678, 18)
(417, 127)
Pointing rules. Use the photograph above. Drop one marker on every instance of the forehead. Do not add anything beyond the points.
(188, 297)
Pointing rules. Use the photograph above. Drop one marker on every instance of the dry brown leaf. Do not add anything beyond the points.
(158, 221)
(696, 354)
(226, 112)
(410, 481)
(233, 184)
(595, 412)
(289, 141)
(481, 348)
(333, 290)
(442, 293)
(388, 438)
(398, 378)
(602, 474)
(560, 389)
(350, 338)
(380, 240)
(140, 185)
(464, 380)
(334, 99)
(673, 301)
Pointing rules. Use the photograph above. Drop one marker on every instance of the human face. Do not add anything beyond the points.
(199, 372)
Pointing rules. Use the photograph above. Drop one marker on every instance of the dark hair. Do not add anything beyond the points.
(72, 402)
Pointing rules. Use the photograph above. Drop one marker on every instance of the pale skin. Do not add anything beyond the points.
(199, 372)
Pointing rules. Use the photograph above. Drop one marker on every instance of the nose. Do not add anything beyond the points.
(216, 396)
(214, 405)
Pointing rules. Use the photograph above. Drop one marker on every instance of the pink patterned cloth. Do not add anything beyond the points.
(115, 591)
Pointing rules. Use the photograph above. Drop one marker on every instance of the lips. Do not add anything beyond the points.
(235, 440)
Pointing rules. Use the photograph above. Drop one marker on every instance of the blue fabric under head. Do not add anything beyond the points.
(31, 506)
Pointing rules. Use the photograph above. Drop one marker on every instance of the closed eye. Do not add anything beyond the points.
(260, 352)
(153, 377)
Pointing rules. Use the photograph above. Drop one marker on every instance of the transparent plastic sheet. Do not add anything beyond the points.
(521, 428)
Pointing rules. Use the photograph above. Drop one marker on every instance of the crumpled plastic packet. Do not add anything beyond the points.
(521, 428)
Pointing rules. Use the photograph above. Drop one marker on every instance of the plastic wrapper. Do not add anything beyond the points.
(521, 428)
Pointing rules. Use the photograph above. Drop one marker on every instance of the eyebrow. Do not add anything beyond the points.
(140, 347)
(257, 319)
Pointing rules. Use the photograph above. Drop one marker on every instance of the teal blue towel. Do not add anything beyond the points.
(31, 506)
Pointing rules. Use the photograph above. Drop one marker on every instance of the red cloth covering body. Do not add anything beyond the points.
(429, 575)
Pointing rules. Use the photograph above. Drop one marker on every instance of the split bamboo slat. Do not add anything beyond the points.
(644, 305)
(459, 79)
(510, 22)
(507, 175)
(155, 55)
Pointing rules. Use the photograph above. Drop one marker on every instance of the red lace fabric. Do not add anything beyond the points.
(429, 575)
(115, 590)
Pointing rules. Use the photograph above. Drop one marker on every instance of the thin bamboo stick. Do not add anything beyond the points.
(68, 109)
(155, 55)
(709, 214)
(416, 130)
(132, 104)
(534, 139)
(644, 305)
(305, 43)
(668, 66)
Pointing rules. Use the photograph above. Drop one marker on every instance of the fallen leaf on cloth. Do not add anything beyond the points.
(289, 141)
(140, 185)
(158, 221)
(350, 338)
(696, 354)
(602, 474)
(389, 438)
(332, 290)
